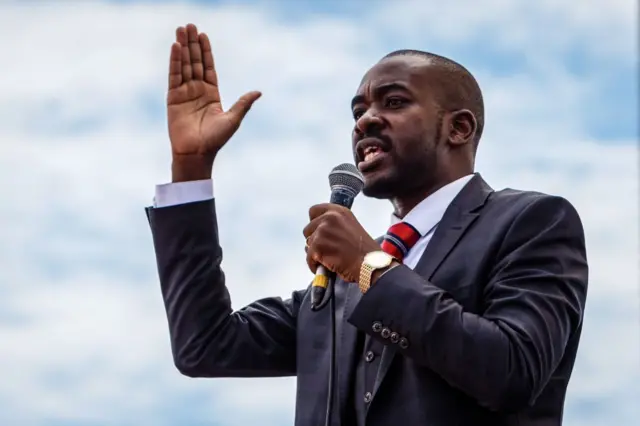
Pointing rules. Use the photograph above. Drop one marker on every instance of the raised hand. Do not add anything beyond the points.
(198, 125)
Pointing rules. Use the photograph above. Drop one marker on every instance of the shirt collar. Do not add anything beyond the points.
(426, 215)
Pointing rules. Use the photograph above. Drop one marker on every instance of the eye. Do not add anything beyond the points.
(357, 113)
(394, 102)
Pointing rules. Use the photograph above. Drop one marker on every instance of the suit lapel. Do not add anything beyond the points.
(347, 296)
(460, 214)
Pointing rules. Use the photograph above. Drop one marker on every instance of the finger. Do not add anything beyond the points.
(195, 52)
(311, 227)
(238, 110)
(312, 260)
(187, 71)
(320, 209)
(175, 66)
(210, 75)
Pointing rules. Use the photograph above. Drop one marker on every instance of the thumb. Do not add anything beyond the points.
(242, 106)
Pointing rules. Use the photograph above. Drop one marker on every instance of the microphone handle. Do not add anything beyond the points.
(322, 281)
(324, 278)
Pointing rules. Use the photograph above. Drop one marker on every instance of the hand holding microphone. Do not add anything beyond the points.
(336, 241)
(198, 125)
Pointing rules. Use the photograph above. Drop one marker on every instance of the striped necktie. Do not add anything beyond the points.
(399, 240)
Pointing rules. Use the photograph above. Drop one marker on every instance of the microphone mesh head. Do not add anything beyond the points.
(346, 175)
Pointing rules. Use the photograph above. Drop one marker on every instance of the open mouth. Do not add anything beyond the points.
(373, 157)
(372, 153)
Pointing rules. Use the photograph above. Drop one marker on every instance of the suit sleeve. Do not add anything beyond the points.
(534, 303)
(208, 339)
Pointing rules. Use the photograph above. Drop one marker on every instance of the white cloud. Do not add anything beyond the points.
(605, 29)
(81, 317)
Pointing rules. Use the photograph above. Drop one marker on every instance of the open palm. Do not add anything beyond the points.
(197, 123)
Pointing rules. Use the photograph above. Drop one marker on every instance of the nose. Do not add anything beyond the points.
(369, 123)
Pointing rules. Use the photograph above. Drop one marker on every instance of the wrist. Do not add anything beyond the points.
(380, 272)
(373, 266)
(194, 167)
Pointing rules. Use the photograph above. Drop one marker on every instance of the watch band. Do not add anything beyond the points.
(368, 267)
(366, 272)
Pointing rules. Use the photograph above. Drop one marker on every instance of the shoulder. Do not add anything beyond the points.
(532, 212)
(517, 202)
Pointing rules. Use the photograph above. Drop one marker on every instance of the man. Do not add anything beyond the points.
(469, 311)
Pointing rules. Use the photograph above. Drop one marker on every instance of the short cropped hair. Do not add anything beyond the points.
(461, 88)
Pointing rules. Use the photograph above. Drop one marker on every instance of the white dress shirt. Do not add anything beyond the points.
(424, 217)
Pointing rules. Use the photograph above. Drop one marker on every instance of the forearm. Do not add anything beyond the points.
(502, 358)
(471, 353)
(207, 338)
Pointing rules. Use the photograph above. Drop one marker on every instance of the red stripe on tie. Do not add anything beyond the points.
(401, 233)
(391, 249)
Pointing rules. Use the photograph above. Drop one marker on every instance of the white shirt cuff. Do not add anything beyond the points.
(172, 194)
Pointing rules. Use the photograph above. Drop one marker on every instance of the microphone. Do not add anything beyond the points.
(346, 182)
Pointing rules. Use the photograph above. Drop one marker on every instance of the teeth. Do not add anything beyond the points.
(371, 155)
(370, 152)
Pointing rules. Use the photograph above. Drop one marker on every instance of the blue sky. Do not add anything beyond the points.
(84, 142)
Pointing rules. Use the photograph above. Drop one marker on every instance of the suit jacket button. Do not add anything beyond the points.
(395, 337)
(385, 333)
(404, 343)
(367, 397)
(377, 327)
(370, 356)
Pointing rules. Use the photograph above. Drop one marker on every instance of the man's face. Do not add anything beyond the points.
(397, 126)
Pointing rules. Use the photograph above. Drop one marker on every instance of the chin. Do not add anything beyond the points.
(380, 187)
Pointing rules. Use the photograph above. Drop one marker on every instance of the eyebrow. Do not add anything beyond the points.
(380, 91)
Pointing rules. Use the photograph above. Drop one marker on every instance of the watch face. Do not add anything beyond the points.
(378, 259)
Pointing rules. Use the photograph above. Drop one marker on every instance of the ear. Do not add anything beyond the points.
(462, 127)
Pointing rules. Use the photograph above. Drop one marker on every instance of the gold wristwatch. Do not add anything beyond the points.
(372, 262)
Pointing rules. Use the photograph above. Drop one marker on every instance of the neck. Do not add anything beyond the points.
(404, 204)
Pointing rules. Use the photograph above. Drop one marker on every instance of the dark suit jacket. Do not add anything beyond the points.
(492, 316)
